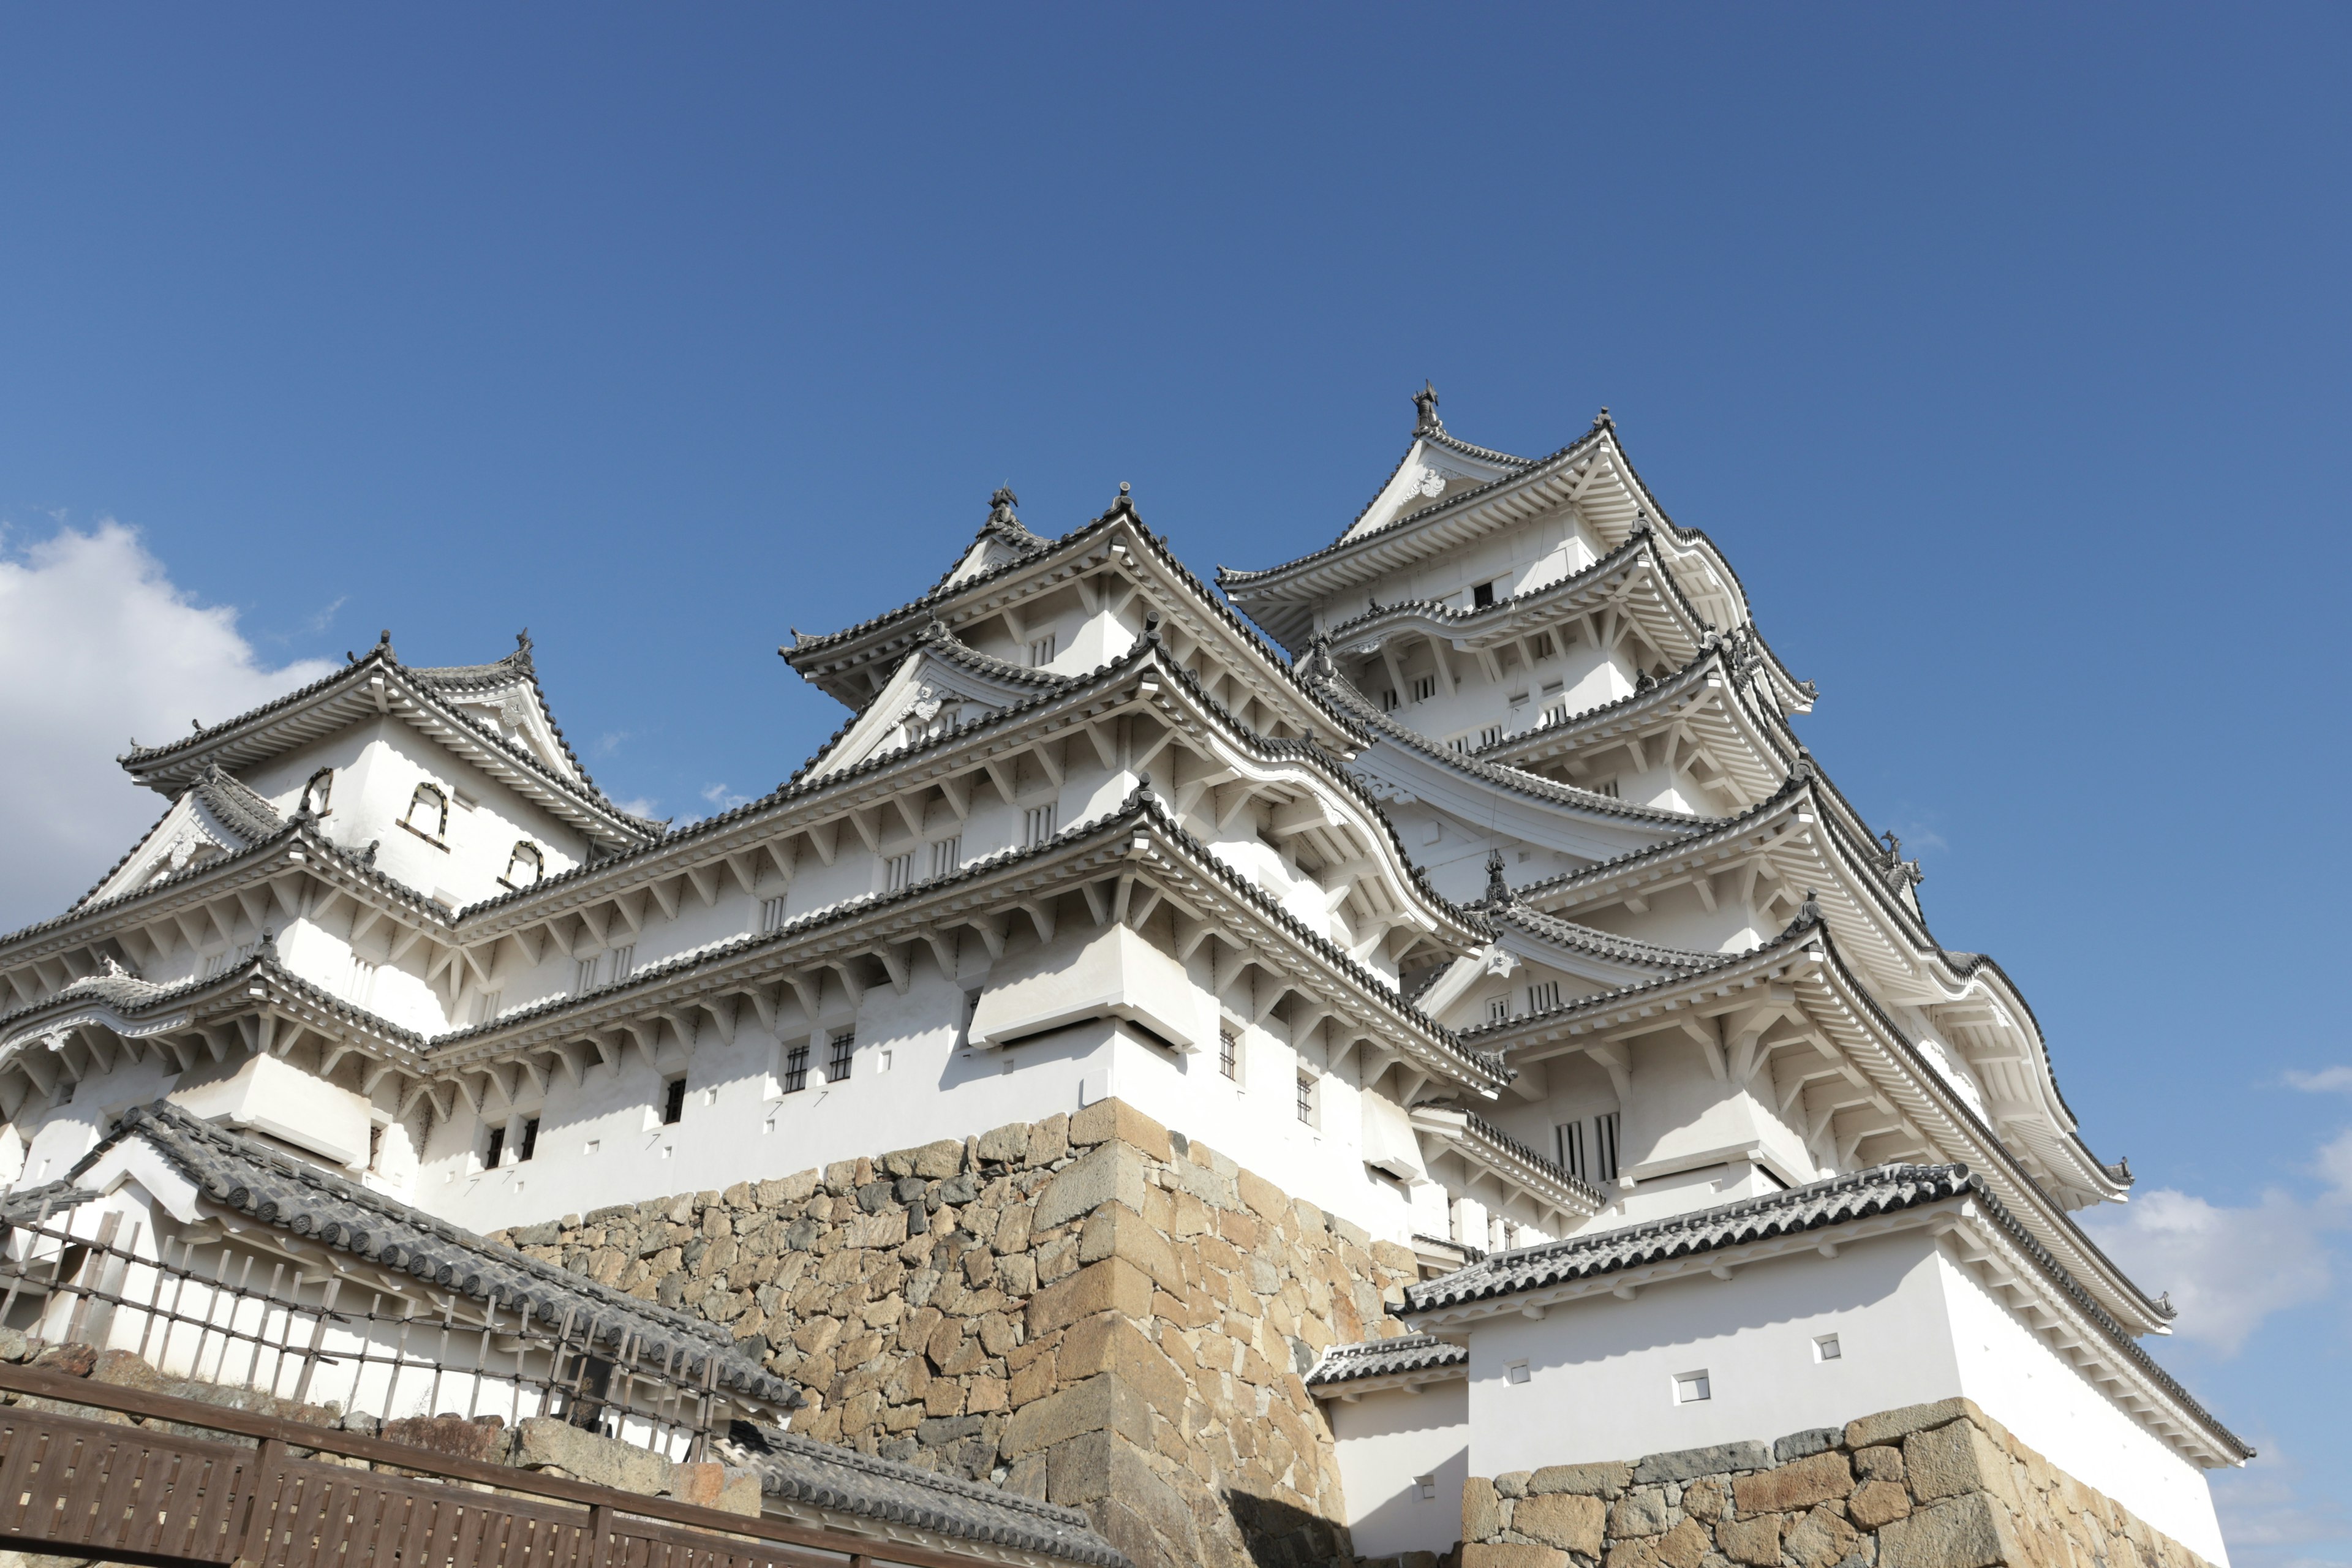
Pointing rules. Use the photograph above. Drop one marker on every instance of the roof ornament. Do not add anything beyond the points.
(1123, 505)
(1808, 914)
(268, 948)
(1001, 505)
(197, 725)
(114, 968)
(1602, 421)
(1151, 626)
(1424, 403)
(384, 642)
(1642, 528)
(2164, 1306)
(367, 856)
(1498, 892)
(1643, 680)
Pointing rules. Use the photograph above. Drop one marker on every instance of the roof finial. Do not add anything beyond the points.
(1001, 504)
(197, 725)
(1498, 892)
(1425, 403)
(1602, 421)
(1125, 504)
(1808, 914)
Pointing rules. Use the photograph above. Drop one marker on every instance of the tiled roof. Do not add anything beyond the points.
(802, 1471)
(1598, 944)
(1387, 1358)
(281, 1190)
(437, 681)
(1335, 688)
(240, 810)
(32, 1206)
(1881, 1190)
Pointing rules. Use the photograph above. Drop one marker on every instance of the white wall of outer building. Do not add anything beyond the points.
(2051, 1408)
(1601, 1371)
(1385, 1441)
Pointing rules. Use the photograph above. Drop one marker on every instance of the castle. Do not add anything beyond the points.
(1435, 1061)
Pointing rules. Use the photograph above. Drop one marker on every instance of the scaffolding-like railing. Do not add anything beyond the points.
(210, 1307)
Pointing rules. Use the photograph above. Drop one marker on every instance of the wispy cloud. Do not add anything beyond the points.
(2326, 1080)
(320, 620)
(609, 741)
(723, 798)
(641, 805)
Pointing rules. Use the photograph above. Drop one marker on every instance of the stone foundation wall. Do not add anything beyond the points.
(1930, 1486)
(1089, 1310)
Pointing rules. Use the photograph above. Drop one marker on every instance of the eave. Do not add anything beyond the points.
(379, 687)
(1734, 1011)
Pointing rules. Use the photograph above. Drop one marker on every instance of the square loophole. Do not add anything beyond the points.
(1826, 1347)
(1516, 1372)
(1690, 1387)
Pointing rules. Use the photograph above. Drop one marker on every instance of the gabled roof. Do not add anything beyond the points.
(216, 810)
(1510, 913)
(435, 698)
(941, 666)
(829, 661)
(327, 1210)
(1322, 677)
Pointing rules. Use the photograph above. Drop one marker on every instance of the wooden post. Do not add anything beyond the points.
(261, 1520)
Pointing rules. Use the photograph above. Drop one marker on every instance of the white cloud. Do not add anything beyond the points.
(2227, 1268)
(98, 645)
(2326, 1080)
(721, 798)
(2274, 1509)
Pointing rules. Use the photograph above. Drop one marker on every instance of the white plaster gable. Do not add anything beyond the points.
(517, 714)
(1429, 474)
(189, 835)
(931, 692)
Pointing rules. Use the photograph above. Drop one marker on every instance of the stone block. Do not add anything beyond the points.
(1821, 1540)
(463, 1439)
(1876, 1503)
(1687, 1464)
(1960, 1458)
(1512, 1555)
(1685, 1545)
(1893, 1426)
(1642, 1513)
(1109, 1120)
(1116, 1231)
(697, 1485)
(1264, 1199)
(1099, 1404)
(1805, 1444)
(1112, 1173)
(1110, 1344)
(1005, 1145)
(1882, 1462)
(1751, 1541)
(1511, 1484)
(1048, 1141)
(1972, 1531)
(1706, 1501)
(13, 1345)
(1569, 1521)
(1113, 1285)
(1606, 1479)
(67, 1360)
(1482, 1509)
(125, 1370)
(1792, 1487)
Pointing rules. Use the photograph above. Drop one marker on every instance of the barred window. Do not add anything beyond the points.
(1492, 735)
(1307, 1097)
(1037, 825)
(528, 1143)
(319, 791)
(428, 812)
(525, 865)
(898, 872)
(1229, 1049)
(1424, 687)
(584, 973)
(1388, 700)
(673, 1105)
(495, 1149)
(1041, 649)
(1568, 1137)
(1497, 1009)
(772, 914)
(1605, 1147)
(796, 1068)
(1480, 595)
(1544, 648)
(946, 856)
(625, 961)
(844, 1046)
(1543, 995)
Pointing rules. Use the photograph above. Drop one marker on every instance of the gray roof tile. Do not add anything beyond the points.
(1387, 1358)
(804, 1470)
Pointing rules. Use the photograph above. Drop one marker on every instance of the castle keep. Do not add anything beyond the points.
(1404, 1048)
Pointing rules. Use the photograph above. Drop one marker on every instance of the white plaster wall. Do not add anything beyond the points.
(1384, 1441)
(2020, 1382)
(1601, 1372)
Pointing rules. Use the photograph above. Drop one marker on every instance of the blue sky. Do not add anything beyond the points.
(2004, 349)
